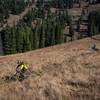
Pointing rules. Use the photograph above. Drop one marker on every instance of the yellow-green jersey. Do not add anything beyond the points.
(24, 66)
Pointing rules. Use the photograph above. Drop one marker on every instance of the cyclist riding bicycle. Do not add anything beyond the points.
(21, 68)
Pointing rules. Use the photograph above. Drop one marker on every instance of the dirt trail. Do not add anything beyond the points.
(14, 19)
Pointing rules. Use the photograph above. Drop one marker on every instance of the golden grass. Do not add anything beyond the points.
(64, 72)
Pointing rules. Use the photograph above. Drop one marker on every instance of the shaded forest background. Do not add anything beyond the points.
(40, 27)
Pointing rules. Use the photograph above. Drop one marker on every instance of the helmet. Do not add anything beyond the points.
(20, 62)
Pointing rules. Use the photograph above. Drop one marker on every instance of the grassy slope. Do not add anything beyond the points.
(64, 72)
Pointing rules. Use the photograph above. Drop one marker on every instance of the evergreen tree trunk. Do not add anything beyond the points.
(42, 36)
(19, 40)
(36, 38)
(53, 35)
(13, 41)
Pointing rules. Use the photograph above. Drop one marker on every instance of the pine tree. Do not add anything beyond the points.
(59, 34)
(26, 38)
(5, 34)
(47, 32)
(13, 40)
(71, 31)
(19, 39)
(52, 40)
(36, 37)
(42, 35)
(31, 38)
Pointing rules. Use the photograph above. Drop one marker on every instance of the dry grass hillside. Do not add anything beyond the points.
(64, 72)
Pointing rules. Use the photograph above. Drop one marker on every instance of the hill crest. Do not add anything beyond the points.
(64, 72)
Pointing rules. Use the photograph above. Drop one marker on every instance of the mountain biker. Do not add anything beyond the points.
(21, 67)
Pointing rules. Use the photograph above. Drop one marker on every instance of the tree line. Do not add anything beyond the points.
(57, 3)
(34, 31)
(40, 28)
(94, 22)
(63, 3)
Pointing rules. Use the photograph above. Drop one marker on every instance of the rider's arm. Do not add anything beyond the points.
(17, 67)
